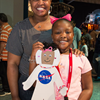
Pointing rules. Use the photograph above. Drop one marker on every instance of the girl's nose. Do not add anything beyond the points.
(63, 35)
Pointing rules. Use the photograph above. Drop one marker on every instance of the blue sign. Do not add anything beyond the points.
(45, 77)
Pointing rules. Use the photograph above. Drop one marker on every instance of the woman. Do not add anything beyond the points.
(25, 34)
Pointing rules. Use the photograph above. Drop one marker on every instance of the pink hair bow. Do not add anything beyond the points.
(68, 17)
(49, 49)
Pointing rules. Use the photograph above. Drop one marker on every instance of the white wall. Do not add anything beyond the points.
(14, 9)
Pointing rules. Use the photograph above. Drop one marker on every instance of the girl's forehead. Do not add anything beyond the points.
(62, 22)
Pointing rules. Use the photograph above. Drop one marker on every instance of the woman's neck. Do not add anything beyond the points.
(40, 19)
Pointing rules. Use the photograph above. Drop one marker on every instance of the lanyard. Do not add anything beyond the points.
(70, 70)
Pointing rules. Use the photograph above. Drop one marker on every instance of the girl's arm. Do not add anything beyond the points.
(87, 86)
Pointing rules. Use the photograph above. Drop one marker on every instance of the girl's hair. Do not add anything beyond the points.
(47, 45)
(61, 20)
(85, 28)
(3, 17)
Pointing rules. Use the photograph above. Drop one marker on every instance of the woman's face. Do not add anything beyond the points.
(40, 7)
(62, 35)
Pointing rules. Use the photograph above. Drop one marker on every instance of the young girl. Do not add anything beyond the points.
(75, 71)
(83, 47)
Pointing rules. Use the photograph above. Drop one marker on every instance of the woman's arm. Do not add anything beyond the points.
(12, 74)
(36, 46)
(77, 52)
(32, 65)
(87, 86)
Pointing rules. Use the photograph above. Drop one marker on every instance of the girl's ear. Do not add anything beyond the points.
(73, 32)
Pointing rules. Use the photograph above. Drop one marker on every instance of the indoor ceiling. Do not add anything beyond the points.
(88, 1)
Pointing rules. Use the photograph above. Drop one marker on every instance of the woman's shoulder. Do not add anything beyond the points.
(23, 22)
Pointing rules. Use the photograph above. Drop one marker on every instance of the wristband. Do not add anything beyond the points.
(31, 60)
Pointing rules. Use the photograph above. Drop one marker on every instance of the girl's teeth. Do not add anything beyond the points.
(62, 41)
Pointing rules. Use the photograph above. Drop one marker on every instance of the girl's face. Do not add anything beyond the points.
(84, 31)
(62, 35)
(40, 7)
(82, 41)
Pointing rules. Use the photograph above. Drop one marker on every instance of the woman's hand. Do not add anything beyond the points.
(77, 52)
(36, 46)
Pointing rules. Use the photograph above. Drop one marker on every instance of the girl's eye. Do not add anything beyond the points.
(44, 54)
(50, 55)
(57, 32)
(67, 32)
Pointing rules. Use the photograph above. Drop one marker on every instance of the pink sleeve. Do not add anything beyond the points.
(86, 65)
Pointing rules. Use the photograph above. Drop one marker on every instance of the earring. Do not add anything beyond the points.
(50, 10)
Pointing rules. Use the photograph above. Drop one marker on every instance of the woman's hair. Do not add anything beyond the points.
(47, 45)
(3, 17)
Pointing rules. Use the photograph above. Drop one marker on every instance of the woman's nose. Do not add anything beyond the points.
(41, 2)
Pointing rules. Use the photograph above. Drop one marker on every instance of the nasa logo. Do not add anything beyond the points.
(45, 77)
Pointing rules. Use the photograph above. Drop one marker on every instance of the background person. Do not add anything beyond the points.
(83, 46)
(96, 63)
(5, 30)
(77, 36)
(87, 36)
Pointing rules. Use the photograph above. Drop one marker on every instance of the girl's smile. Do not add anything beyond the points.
(62, 34)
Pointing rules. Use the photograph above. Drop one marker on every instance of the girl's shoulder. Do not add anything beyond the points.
(83, 63)
(82, 58)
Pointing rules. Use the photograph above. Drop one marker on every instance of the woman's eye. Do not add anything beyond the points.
(50, 55)
(35, 0)
(44, 54)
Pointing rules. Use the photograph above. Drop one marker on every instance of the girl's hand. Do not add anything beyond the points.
(36, 46)
(77, 52)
